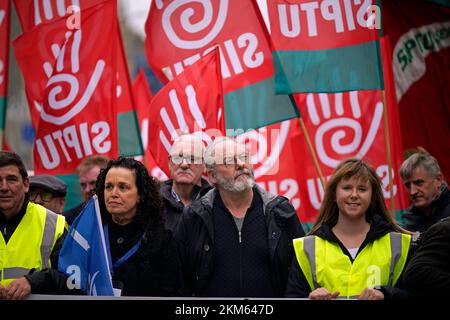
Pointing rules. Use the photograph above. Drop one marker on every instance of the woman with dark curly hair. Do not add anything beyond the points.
(143, 254)
(144, 259)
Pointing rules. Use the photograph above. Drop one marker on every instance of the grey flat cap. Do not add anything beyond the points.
(50, 183)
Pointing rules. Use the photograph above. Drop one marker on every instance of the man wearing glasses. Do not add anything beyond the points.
(236, 241)
(186, 184)
(48, 191)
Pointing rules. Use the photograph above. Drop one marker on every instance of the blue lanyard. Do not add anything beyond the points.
(125, 257)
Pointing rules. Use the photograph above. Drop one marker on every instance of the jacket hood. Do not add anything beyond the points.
(378, 228)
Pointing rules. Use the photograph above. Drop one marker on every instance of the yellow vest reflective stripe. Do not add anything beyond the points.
(31, 244)
(379, 263)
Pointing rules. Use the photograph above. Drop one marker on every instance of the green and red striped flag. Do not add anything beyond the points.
(325, 45)
(4, 50)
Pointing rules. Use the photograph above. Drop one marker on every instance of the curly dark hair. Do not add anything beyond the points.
(149, 208)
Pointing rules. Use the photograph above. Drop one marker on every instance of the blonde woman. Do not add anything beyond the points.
(355, 250)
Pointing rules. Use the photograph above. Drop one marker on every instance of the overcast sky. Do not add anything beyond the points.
(135, 13)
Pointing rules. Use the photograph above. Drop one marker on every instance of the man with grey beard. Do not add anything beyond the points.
(236, 240)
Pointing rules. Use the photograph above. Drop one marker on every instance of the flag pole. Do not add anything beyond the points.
(308, 142)
(1, 139)
(383, 50)
(7, 20)
(388, 152)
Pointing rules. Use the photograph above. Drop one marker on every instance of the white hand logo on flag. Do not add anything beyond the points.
(192, 28)
(265, 155)
(338, 124)
(61, 9)
(182, 127)
(62, 75)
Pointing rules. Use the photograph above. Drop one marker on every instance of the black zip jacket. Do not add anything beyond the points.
(298, 287)
(195, 236)
(415, 220)
(154, 270)
(428, 274)
(173, 208)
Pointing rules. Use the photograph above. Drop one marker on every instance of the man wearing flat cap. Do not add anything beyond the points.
(48, 191)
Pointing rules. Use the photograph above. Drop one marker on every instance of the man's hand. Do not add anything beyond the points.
(18, 289)
(323, 294)
(371, 294)
(2, 292)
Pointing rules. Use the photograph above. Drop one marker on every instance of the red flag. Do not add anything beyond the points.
(420, 54)
(191, 103)
(274, 164)
(180, 32)
(340, 126)
(77, 115)
(4, 45)
(33, 13)
(143, 98)
(4, 61)
(325, 46)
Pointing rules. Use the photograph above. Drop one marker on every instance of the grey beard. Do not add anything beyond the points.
(231, 185)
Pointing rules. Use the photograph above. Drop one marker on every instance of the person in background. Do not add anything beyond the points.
(354, 250)
(186, 166)
(428, 192)
(427, 275)
(236, 240)
(48, 191)
(88, 170)
(31, 236)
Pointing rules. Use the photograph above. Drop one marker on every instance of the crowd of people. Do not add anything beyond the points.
(225, 236)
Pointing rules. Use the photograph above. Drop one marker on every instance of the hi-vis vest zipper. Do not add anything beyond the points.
(379, 263)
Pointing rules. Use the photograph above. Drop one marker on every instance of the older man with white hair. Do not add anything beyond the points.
(236, 241)
(186, 166)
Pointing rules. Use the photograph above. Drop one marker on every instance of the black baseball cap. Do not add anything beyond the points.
(49, 183)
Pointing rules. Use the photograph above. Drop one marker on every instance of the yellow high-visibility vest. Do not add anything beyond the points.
(31, 243)
(324, 264)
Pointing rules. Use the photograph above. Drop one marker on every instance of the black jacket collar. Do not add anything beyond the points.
(199, 191)
(378, 228)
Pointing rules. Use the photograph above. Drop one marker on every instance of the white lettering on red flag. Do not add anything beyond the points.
(77, 110)
(191, 103)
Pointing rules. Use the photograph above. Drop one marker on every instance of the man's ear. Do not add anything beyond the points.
(211, 178)
(439, 179)
(62, 203)
(26, 184)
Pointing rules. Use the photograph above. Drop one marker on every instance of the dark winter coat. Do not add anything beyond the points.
(195, 236)
(428, 274)
(298, 287)
(174, 208)
(417, 221)
(153, 270)
(73, 213)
